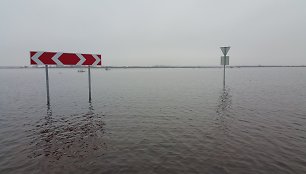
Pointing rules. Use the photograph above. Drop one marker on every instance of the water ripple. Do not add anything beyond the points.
(72, 136)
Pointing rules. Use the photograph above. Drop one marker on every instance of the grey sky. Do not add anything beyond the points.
(156, 32)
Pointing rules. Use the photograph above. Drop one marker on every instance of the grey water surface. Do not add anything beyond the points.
(154, 121)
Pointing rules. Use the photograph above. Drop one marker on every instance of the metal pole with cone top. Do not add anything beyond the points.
(224, 61)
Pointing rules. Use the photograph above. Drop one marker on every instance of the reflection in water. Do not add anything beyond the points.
(222, 151)
(223, 109)
(73, 136)
(224, 103)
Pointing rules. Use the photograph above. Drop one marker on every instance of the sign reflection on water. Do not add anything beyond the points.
(60, 137)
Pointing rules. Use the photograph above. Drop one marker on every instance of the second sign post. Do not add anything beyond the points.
(224, 61)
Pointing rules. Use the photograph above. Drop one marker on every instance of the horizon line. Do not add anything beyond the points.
(149, 66)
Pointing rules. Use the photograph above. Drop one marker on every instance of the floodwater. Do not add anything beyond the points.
(154, 121)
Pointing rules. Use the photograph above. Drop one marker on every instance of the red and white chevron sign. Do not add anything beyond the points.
(58, 58)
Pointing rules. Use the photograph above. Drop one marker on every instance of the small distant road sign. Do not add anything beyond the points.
(225, 50)
(224, 60)
(59, 58)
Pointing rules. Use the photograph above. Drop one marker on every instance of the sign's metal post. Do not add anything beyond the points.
(224, 71)
(47, 84)
(89, 83)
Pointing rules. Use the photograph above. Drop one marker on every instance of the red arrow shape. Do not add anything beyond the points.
(46, 58)
(89, 59)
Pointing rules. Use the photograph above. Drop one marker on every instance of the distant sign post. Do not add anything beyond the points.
(224, 61)
(61, 59)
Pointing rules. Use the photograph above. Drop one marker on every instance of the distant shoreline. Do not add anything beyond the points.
(153, 67)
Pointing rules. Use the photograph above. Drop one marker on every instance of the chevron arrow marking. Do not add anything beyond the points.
(55, 58)
(36, 56)
(82, 59)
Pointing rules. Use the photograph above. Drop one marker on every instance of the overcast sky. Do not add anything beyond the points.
(156, 32)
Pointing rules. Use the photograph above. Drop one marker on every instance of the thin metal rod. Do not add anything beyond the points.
(89, 83)
(224, 72)
(47, 84)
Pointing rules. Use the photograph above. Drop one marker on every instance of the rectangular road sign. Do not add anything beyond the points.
(59, 58)
(226, 60)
